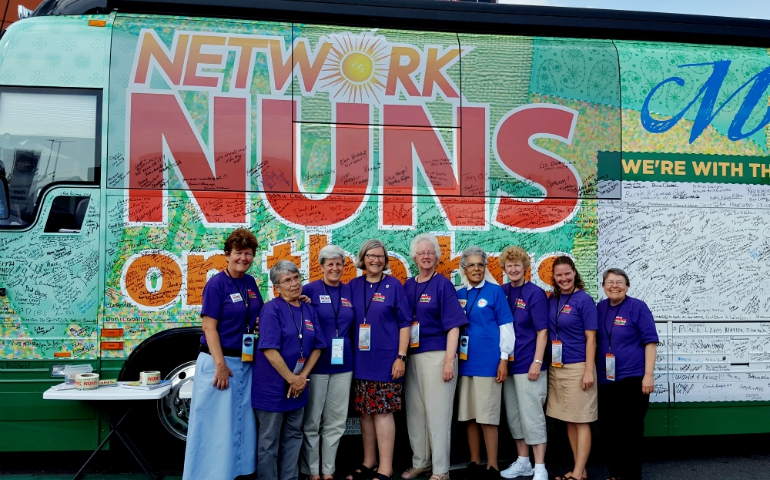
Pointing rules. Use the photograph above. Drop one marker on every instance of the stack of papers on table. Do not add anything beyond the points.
(138, 385)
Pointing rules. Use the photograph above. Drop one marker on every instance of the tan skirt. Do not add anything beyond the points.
(567, 400)
(480, 400)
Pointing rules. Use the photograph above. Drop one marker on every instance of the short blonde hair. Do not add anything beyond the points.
(514, 254)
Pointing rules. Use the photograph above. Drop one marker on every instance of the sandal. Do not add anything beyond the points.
(382, 476)
(440, 476)
(414, 472)
(564, 476)
(362, 472)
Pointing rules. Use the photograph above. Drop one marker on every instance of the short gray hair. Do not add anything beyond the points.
(424, 237)
(371, 245)
(329, 252)
(474, 250)
(616, 271)
(281, 268)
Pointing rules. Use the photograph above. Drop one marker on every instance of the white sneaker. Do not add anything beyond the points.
(517, 470)
(540, 474)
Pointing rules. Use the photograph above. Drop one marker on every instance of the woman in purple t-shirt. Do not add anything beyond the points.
(572, 324)
(627, 346)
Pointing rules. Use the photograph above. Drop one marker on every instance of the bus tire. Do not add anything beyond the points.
(161, 436)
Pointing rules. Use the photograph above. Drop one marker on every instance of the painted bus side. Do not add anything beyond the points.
(647, 156)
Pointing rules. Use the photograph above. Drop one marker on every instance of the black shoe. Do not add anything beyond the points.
(473, 471)
(492, 474)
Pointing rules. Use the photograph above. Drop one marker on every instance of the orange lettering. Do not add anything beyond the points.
(401, 73)
(196, 58)
(435, 75)
(152, 47)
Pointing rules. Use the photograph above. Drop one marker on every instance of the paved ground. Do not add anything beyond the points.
(743, 457)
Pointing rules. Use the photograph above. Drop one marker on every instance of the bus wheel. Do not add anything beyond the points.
(174, 408)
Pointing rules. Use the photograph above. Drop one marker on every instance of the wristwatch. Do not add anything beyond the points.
(401, 357)
(538, 361)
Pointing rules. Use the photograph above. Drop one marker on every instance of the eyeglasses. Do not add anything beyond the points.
(426, 254)
(475, 265)
(619, 283)
(372, 256)
(288, 282)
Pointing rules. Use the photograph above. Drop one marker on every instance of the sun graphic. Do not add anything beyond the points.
(356, 69)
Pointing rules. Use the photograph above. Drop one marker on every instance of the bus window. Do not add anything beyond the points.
(67, 214)
(47, 137)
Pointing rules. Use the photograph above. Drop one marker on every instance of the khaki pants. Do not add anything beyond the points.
(429, 403)
(324, 423)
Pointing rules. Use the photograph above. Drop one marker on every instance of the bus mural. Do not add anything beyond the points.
(161, 134)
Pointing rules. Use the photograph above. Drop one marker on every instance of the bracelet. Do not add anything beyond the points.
(538, 361)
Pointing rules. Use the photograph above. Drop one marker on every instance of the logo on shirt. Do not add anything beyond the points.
(424, 298)
(378, 297)
(346, 303)
(252, 294)
(566, 309)
(620, 321)
(325, 299)
(481, 303)
(236, 297)
(308, 325)
(463, 302)
(521, 303)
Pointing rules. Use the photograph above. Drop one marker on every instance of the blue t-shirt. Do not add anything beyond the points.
(434, 305)
(632, 327)
(385, 307)
(530, 313)
(335, 314)
(279, 327)
(224, 300)
(486, 309)
(578, 314)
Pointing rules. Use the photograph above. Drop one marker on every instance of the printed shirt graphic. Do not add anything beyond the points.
(277, 330)
(529, 317)
(345, 321)
(218, 303)
(386, 318)
(628, 338)
(578, 316)
(437, 309)
(488, 312)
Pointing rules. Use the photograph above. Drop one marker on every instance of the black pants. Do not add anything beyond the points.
(622, 408)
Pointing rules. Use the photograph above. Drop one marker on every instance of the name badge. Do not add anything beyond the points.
(464, 347)
(236, 297)
(365, 337)
(609, 363)
(299, 366)
(337, 351)
(325, 299)
(247, 351)
(556, 351)
(414, 335)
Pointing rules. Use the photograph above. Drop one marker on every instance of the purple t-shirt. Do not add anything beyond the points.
(279, 327)
(224, 300)
(386, 309)
(435, 306)
(529, 306)
(578, 314)
(632, 327)
(335, 314)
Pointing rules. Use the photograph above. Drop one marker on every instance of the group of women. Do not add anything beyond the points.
(285, 411)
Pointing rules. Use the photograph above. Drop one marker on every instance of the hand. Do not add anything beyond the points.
(304, 298)
(222, 374)
(648, 384)
(256, 326)
(449, 370)
(398, 369)
(534, 371)
(588, 380)
(502, 371)
(297, 385)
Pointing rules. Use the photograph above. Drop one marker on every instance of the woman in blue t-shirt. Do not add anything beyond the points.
(329, 388)
(572, 324)
(485, 345)
(625, 364)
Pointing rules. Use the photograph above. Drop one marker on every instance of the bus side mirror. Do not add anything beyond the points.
(5, 212)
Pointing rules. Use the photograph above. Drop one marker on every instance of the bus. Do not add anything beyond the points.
(135, 135)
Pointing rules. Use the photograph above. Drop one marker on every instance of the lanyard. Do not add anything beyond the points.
(335, 310)
(376, 289)
(478, 292)
(609, 331)
(418, 297)
(518, 296)
(294, 320)
(244, 297)
(558, 310)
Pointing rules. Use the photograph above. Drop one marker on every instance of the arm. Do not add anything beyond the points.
(222, 373)
(398, 365)
(588, 375)
(451, 352)
(648, 381)
(507, 343)
(311, 361)
(534, 368)
(296, 383)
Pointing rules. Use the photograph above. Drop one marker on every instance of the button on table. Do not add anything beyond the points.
(115, 394)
